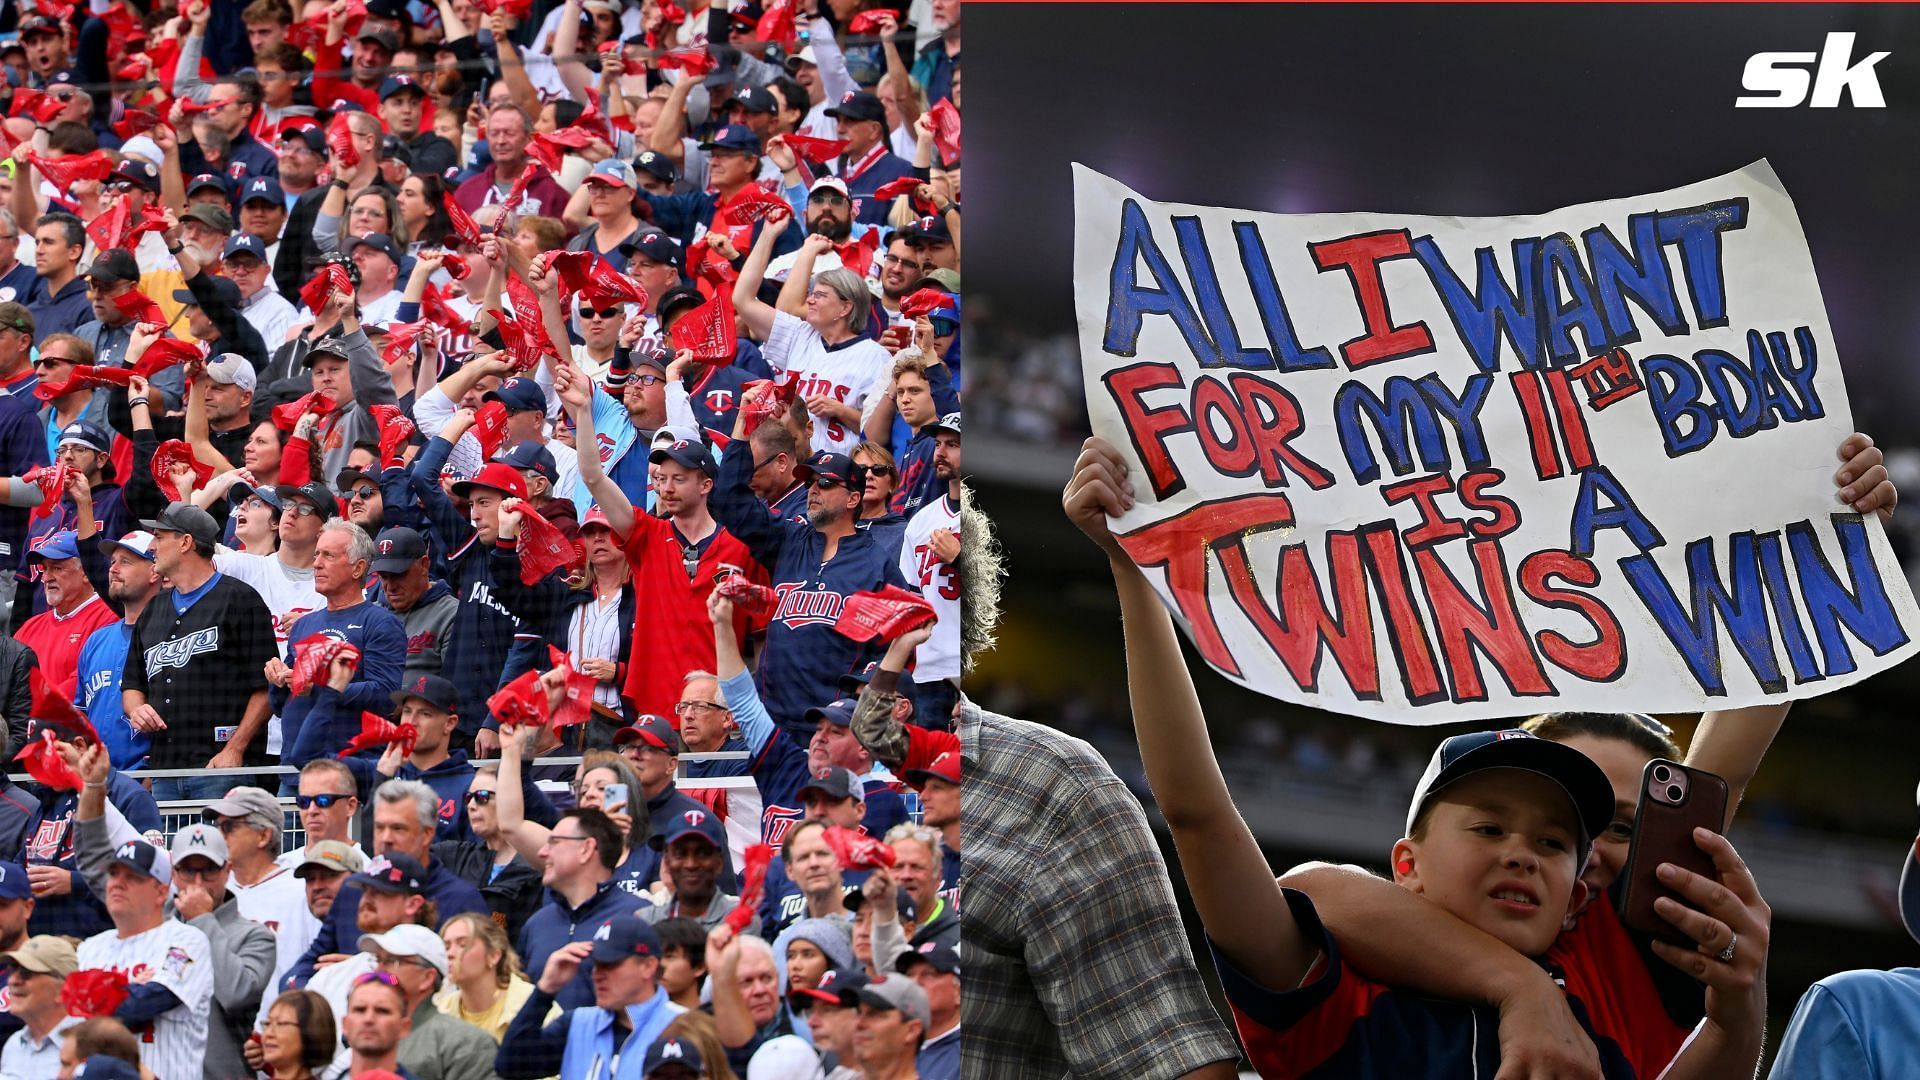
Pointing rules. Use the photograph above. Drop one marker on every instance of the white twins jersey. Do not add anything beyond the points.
(939, 656)
(850, 373)
(178, 957)
(279, 903)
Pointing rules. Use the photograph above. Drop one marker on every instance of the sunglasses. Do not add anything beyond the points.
(325, 802)
(826, 483)
(364, 491)
(304, 509)
(880, 470)
(608, 313)
(943, 327)
(479, 798)
(828, 198)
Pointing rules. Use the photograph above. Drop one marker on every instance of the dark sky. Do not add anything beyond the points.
(1466, 110)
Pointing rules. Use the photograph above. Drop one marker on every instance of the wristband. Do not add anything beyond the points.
(175, 249)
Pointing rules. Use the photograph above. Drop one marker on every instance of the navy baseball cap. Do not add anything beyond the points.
(931, 229)
(860, 105)
(1585, 785)
(311, 134)
(225, 292)
(656, 164)
(855, 681)
(655, 245)
(623, 936)
(835, 466)
(13, 882)
(64, 544)
(263, 189)
(699, 823)
(88, 434)
(943, 958)
(244, 243)
(754, 99)
(378, 241)
(672, 1050)
(838, 713)
(652, 730)
(146, 860)
(394, 872)
(737, 138)
(210, 180)
(400, 84)
(519, 394)
(684, 452)
(676, 298)
(141, 174)
(836, 987)
(435, 690)
(836, 783)
(315, 492)
(397, 549)
(535, 456)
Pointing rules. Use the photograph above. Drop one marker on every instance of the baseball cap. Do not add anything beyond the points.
(315, 492)
(394, 872)
(397, 549)
(146, 860)
(304, 129)
(38, 24)
(655, 245)
(836, 987)
(835, 466)
(86, 433)
(688, 453)
(931, 229)
(244, 244)
(754, 99)
(673, 1050)
(735, 137)
(519, 394)
(676, 298)
(337, 856)
(330, 345)
(232, 369)
(596, 517)
(210, 180)
(14, 884)
(804, 56)
(938, 278)
(535, 456)
(855, 681)
(64, 544)
(838, 713)
(497, 475)
(241, 490)
(141, 174)
(835, 783)
(900, 993)
(691, 823)
(829, 183)
(1585, 785)
(623, 936)
(263, 189)
(377, 241)
(949, 422)
(215, 217)
(44, 953)
(433, 689)
(657, 164)
(139, 541)
(945, 767)
(400, 84)
(114, 266)
(256, 805)
(944, 958)
(391, 146)
(614, 173)
(106, 1067)
(225, 293)
(859, 105)
(653, 731)
(185, 518)
(409, 939)
(199, 841)
(383, 38)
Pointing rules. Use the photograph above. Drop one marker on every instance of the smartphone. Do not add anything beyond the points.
(1674, 799)
(614, 799)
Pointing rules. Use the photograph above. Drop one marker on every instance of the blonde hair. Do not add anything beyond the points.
(495, 936)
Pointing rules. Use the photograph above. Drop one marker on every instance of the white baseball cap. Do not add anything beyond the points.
(232, 369)
(409, 940)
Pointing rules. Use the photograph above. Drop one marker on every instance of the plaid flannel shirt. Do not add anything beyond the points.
(1077, 962)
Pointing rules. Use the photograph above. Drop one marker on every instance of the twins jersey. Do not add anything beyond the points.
(178, 957)
(849, 372)
(939, 583)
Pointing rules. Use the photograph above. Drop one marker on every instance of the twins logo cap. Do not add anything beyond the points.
(1573, 772)
(943, 958)
(397, 549)
(945, 767)
(836, 987)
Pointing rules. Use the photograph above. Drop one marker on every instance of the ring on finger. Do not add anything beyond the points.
(1725, 955)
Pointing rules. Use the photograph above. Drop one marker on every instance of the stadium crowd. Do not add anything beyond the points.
(396, 397)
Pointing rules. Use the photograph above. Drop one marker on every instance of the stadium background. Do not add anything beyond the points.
(1460, 110)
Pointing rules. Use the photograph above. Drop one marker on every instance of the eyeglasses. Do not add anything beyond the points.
(891, 259)
(554, 838)
(228, 825)
(943, 327)
(192, 874)
(120, 187)
(647, 380)
(828, 198)
(304, 509)
(386, 977)
(364, 491)
(758, 465)
(685, 707)
(479, 798)
(45, 360)
(324, 801)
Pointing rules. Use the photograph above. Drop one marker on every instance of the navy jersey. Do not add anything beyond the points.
(775, 760)
(382, 641)
(1338, 1023)
(804, 658)
(715, 394)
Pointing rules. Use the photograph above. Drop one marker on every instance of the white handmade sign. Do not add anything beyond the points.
(1427, 469)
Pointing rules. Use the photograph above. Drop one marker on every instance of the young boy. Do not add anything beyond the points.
(1498, 832)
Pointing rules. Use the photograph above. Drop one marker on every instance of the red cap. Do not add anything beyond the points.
(945, 767)
(497, 475)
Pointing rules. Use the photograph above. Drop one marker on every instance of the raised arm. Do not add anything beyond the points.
(576, 393)
(671, 125)
(746, 291)
(1241, 906)
(510, 802)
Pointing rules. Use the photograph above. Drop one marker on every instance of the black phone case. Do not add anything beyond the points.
(1663, 833)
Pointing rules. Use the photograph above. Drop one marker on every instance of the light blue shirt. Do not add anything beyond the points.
(591, 1054)
(1857, 1025)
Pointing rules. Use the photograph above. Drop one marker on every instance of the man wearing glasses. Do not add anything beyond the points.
(249, 820)
(243, 949)
(901, 269)
(577, 865)
(328, 802)
(436, 1046)
(220, 142)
